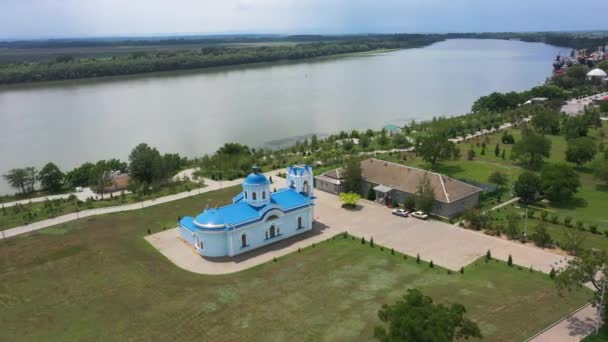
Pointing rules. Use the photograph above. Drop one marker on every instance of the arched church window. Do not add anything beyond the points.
(292, 184)
(254, 196)
(299, 222)
(263, 195)
(305, 187)
(243, 240)
(245, 194)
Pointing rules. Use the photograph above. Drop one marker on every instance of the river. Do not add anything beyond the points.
(196, 112)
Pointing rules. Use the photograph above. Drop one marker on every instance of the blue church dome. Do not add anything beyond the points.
(256, 178)
(210, 218)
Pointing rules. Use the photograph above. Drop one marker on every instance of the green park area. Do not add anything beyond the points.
(587, 205)
(98, 279)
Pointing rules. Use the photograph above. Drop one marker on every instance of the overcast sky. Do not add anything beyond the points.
(74, 18)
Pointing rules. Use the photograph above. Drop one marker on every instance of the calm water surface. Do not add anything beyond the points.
(195, 113)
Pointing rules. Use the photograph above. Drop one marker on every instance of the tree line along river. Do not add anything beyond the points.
(195, 112)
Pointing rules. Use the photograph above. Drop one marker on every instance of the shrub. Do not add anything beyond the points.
(488, 256)
(274, 259)
(418, 258)
(299, 250)
(568, 221)
(461, 269)
(541, 236)
(431, 264)
(554, 219)
(510, 261)
(345, 235)
(371, 242)
(552, 273)
(593, 228)
(580, 225)
(392, 251)
(381, 249)
(362, 240)
(544, 215)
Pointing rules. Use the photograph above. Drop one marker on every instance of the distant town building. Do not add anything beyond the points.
(392, 129)
(396, 182)
(118, 181)
(257, 217)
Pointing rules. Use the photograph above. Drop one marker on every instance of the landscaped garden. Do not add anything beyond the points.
(97, 278)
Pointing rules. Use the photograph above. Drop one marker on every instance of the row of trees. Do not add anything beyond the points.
(147, 168)
(142, 62)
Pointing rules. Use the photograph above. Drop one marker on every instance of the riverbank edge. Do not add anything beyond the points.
(195, 71)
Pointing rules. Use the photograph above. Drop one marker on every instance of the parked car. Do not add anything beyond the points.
(400, 212)
(420, 215)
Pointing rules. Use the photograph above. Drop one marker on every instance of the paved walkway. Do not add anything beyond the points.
(447, 245)
(512, 200)
(575, 106)
(210, 186)
(81, 195)
(571, 329)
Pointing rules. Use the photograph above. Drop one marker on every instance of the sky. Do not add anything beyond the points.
(21, 19)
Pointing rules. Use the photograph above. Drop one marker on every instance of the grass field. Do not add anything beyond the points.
(98, 279)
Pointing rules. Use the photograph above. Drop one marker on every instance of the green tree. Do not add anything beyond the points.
(425, 195)
(546, 122)
(314, 142)
(581, 150)
(100, 177)
(526, 187)
(497, 150)
(22, 179)
(352, 176)
(513, 225)
(147, 166)
(435, 147)
(541, 236)
(476, 219)
(81, 175)
(532, 148)
(441, 323)
(559, 182)
(498, 178)
(349, 199)
(409, 202)
(51, 178)
(591, 266)
(575, 126)
(600, 170)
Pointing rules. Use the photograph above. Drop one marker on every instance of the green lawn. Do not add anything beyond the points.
(98, 279)
(602, 336)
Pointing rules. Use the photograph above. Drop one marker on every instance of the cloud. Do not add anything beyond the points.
(53, 18)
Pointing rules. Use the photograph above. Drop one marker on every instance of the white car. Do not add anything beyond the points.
(420, 215)
(400, 212)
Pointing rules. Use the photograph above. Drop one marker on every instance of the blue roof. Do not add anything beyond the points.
(242, 212)
(211, 218)
(256, 179)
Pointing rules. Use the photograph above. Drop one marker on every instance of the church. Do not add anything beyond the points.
(257, 217)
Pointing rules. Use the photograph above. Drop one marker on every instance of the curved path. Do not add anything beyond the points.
(210, 186)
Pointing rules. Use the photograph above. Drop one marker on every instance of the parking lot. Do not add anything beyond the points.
(444, 244)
